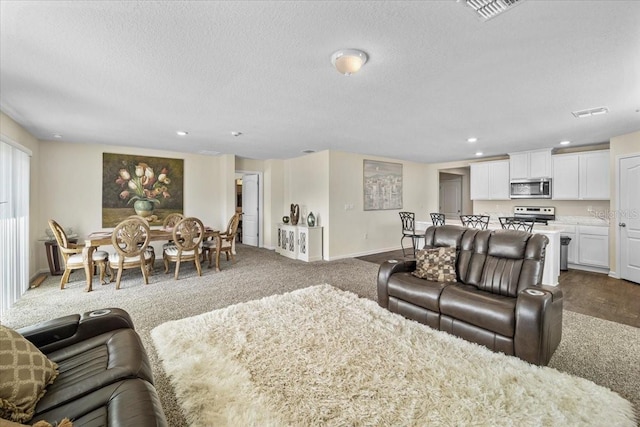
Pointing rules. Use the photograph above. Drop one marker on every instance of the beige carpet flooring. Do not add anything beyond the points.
(604, 352)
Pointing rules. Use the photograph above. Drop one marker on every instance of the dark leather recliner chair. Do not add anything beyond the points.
(497, 301)
(105, 376)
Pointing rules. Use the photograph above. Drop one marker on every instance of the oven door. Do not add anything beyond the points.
(530, 189)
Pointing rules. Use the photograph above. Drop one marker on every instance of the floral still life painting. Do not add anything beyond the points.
(151, 187)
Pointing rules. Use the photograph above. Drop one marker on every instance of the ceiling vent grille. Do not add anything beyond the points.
(590, 112)
(487, 9)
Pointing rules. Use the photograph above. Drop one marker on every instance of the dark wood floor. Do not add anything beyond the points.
(594, 294)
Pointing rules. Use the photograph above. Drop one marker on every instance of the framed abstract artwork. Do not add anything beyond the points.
(382, 185)
(151, 187)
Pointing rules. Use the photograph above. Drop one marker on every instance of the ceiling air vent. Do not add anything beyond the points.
(590, 112)
(487, 9)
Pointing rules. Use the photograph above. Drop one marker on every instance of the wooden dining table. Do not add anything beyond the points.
(100, 238)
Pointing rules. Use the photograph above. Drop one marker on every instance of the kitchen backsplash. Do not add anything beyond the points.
(596, 209)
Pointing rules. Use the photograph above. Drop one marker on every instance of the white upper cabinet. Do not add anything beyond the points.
(581, 176)
(530, 164)
(566, 181)
(594, 175)
(490, 180)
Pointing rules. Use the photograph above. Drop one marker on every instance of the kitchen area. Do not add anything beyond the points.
(566, 193)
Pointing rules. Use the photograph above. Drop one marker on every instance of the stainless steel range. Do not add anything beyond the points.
(541, 214)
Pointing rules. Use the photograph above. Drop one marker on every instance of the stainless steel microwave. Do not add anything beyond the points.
(531, 188)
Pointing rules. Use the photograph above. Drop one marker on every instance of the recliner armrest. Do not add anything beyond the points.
(44, 333)
(386, 270)
(538, 323)
(58, 333)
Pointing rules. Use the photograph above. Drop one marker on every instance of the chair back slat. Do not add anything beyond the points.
(512, 223)
(475, 221)
(408, 220)
(437, 218)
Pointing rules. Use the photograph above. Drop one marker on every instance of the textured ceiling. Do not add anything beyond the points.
(133, 73)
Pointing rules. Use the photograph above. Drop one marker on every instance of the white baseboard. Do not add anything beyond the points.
(614, 275)
(365, 253)
(588, 268)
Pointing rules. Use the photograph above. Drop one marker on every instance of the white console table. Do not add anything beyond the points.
(300, 242)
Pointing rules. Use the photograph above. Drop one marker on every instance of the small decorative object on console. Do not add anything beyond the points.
(295, 214)
(311, 220)
(285, 219)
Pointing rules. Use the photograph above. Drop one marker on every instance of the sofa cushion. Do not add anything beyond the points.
(437, 264)
(95, 363)
(495, 313)
(132, 402)
(24, 374)
(420, 292)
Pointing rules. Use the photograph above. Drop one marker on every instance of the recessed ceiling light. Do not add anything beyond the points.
(182, 133)
(565, 142)
(57, 135)
(236, 133)
(472, 139)
(479, 153)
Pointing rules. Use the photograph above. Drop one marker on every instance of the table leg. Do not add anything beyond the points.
(87, 257)
(218, 247)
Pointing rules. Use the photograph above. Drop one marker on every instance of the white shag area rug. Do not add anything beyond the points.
(322, 356)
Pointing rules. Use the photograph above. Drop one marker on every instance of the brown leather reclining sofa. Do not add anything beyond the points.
(497, 301)
(104, 376)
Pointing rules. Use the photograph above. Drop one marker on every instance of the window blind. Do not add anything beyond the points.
(14, 224)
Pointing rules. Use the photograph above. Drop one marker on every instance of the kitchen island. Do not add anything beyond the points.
(551, 273)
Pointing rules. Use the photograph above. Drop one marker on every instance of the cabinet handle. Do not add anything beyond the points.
(622, 224)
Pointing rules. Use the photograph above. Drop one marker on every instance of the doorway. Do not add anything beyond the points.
(250, 201)
(454, 196)
(628, 217)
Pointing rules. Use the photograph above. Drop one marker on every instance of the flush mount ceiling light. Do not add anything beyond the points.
(565, 142)
(348, 61)
(308, 151)
(236, 133)
(472, 139)
(487, 9)
(479, 153)
(590, 112)
(182, 133)
(57, 135)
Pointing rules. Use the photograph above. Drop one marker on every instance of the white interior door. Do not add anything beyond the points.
(451, 197)
(629, 218)
(250, 210)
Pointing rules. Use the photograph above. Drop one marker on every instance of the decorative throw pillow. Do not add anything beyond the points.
(437, 264)
(24, 374)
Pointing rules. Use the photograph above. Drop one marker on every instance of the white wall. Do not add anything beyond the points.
(273, 200)
(306, 183)
(70, 191)
(356, 232)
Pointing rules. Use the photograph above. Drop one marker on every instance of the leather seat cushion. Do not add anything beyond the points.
(420, 292)
(495, 313)
(95, 363)
(132, 402)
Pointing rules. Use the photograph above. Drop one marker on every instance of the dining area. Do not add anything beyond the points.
(128, 246)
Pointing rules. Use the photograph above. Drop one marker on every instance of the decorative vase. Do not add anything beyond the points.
(311, 220)
(295, 214)
(285, 219)
(144, 208)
